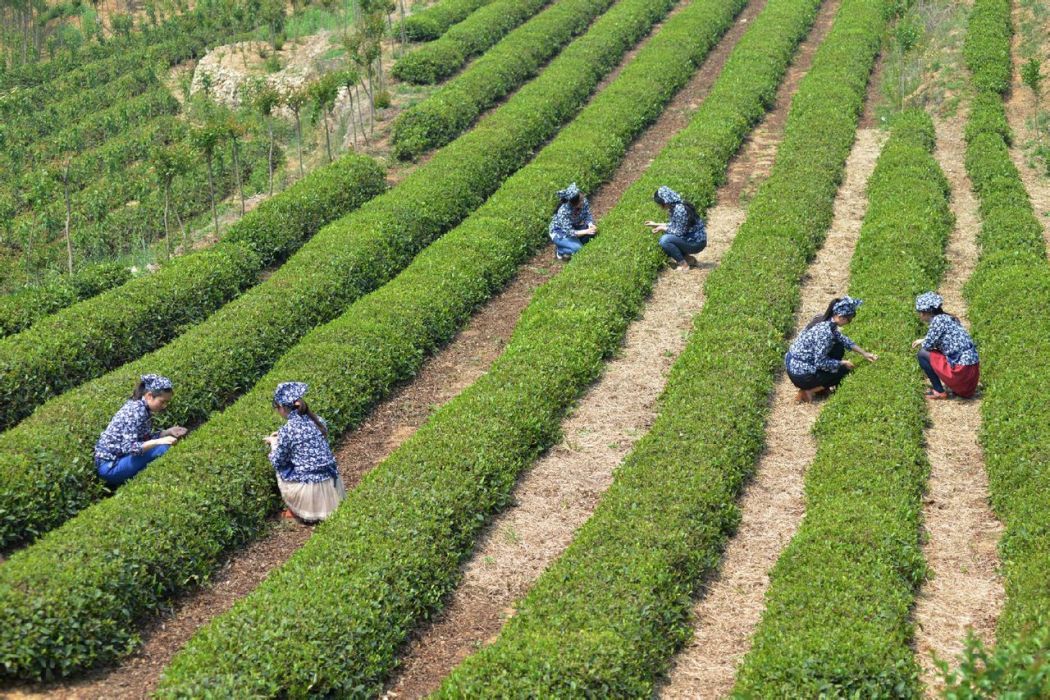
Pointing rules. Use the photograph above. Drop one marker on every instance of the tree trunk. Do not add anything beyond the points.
(353, 124)
(327, 138)
(269, 157)
(69, 214)
(360, 113)
(211, 188)
(167, 228)
(182, 226)
(299, 131)
(404, 39)
(237, 172)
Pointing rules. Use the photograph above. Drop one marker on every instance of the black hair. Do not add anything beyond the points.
(573, 200)
(140, 391)
(304, 410)
(826, 316)
(691, 216)
(940, 310)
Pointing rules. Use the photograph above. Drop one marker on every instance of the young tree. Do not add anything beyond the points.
(1030, 75)
(349, 78)
(323, 92)
(233, 129)
(265, 99)
(206, 138)
(294, 99)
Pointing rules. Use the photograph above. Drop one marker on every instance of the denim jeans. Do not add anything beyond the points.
(678, 247)
(570, 245)
(117, 471)
(923, 356)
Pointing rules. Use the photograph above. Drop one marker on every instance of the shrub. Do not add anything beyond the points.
(435, 20)
(21, 309)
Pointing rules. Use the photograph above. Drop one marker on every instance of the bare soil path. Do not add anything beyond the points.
(964, 591)
(1020, 107)
(440, 379)
(772, 505)
(561, 491)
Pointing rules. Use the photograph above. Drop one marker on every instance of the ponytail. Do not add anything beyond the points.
(826, 316)
(304, 410)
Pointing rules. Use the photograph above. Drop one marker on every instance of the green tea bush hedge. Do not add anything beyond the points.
(439, 59)
(605, 618)
(434, 494)
(432, 22)
(838, 610)
(22, 309)
(214, 490)
(46, 470)
(451, 110)
(1008, 295)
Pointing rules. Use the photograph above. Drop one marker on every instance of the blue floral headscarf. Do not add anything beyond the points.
(666, 195)
(928, 301)
(568, 193)
(155, 384)
(846, 306)
(288, 393)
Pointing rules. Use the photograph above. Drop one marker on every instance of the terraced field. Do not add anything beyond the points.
(565, 479)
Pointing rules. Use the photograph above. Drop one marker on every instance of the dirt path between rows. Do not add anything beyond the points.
(773, 505)
(1020, 106)
(393, 421)
(561, 491)
(964, 591)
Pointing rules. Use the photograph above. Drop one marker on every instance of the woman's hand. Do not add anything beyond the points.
(271, 440)
(176, 431)
(162, 440)
(917, 342)
(848, 365)
(869, 356)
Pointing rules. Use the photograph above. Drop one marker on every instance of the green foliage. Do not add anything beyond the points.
(45, 462)
(445, 481)
(987, 45)
(22, 309)
(435, 20)
(216, 488)
(605, 618)
(1031, 76)
(838, 610)
(1008, 294)
(440, 59)
(521, 55)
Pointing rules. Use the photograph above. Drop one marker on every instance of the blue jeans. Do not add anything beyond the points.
(570, 245)
(678, 247)
(923, 356)
(117, 471)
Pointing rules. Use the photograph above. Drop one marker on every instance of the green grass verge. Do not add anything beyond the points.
(838, 610)
(440, 59)
(451, 110)
(214, 490)
(439, 487)
(606, 617)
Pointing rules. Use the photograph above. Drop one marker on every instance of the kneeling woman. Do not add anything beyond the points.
(684, 234)
(814, 362)
(948, 355)
(306, 475)
(572, 224)
(129, 442)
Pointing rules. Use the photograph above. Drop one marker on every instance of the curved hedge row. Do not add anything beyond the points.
(214, 490)
(440, 59)
(46, 472)
(451, 110)
(605, 618)
(838, 610)
(1008, 296)
(22, 309)
(435, 20)
(390, 554)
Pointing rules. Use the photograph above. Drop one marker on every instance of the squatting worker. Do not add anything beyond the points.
(684, 234)
(814, 362)
(306, 475)
(948, 355)
(572, 224)
(129, 442)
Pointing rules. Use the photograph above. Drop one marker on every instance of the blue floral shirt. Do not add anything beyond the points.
(130, 427)
(568, 220)
(946, 335)
(678, 225)
(302, 453)
(812, 348)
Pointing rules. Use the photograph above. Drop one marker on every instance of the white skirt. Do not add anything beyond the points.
(312, 501)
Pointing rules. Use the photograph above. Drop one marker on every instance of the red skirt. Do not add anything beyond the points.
(961, 379)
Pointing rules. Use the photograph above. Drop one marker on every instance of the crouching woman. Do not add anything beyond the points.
(814, 362)
(129, 443)
(948, 355)
(306, 474)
